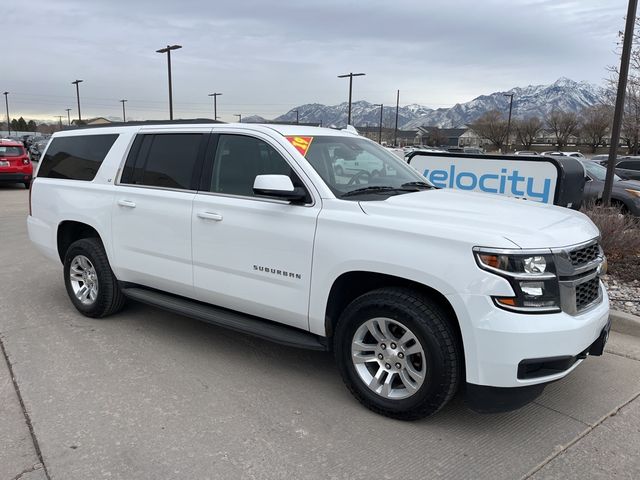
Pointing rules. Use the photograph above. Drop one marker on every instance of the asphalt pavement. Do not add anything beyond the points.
(147, 394)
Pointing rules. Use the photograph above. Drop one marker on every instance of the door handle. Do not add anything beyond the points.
(210, 216)
(127, 203)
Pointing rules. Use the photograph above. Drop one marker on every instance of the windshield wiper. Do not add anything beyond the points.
(418, 184)
(378, 189)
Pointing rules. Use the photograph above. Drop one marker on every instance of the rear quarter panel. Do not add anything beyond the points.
(55, 200)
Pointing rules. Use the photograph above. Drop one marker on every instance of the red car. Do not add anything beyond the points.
(15, 165)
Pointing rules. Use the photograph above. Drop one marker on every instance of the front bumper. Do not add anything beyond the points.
(484, 399)
(496, 342)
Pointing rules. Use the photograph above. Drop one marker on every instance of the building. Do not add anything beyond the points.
(440, 137)
(471, 139)
(92, 121)
(405, 137)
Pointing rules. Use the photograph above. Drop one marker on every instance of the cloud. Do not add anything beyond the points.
(269, 56)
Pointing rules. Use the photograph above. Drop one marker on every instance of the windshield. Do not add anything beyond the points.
(352, 165)
(10, 151)
(598, 171)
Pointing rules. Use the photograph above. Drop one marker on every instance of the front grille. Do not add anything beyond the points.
(587, 293)
(584, 255)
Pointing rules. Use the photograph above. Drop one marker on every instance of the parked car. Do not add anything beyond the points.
(348, 162)
(556, 153)
(15, 165)
(473, 150)
(417, 291)
(625, 194)
(604, 157)
(629, 168)
(527, 153)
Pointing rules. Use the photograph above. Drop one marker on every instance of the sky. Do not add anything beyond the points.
(267, 57)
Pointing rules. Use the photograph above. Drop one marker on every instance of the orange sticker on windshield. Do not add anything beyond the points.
(301, 144)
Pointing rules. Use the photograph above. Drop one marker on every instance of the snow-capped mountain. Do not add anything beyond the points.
(564, 94)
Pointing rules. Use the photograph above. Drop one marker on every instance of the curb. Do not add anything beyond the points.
(626, 323)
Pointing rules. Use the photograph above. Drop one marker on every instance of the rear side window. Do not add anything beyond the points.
(168, 160)
(77, 157)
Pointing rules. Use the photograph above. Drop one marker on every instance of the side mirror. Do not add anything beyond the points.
(279, 187)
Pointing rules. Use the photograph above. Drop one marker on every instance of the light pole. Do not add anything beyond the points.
(59, 117)
(167, 50)
(6, 102)
(350, 75)
(239, 115)
(77, 83)
(215, 105)
(68, 116)
(124, 115)
(510, 95)
(395, 130)
(380, 124)
(297, 117)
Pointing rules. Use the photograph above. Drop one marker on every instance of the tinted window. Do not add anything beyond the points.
(77, 157)
(11, 151)
(630, 164)
(166, 160)
(239, 159)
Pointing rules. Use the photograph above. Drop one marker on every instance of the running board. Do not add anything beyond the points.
(222, 317)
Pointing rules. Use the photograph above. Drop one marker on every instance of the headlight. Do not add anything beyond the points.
(531, 275)
(635, 193)
(535, 264)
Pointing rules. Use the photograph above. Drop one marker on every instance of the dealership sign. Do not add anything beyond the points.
(531, 178)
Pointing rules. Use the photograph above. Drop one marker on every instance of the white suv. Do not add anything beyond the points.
(418, 291)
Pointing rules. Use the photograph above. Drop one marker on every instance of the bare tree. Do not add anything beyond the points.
(595, 124)
(492, 126)
(563, 125)
(527, 130)
(630, 133)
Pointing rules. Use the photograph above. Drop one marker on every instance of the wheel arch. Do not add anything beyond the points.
(623, 203)
(69, 231)
(350, 285)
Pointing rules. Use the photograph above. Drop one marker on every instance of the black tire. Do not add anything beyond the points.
(27, 185)
(430, 325)
(109, 298)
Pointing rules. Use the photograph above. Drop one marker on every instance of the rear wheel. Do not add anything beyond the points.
(27, 185)
(398, 354)
(91, 285)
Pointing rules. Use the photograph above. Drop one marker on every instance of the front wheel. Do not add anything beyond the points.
(398, 353)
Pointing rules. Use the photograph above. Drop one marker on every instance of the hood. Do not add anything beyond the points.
(526, 223)
(622, 184)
